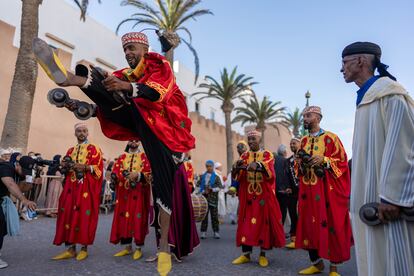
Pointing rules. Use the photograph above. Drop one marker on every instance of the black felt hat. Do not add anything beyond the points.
(362, 48)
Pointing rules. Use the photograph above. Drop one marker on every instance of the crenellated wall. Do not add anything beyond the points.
(210, 142)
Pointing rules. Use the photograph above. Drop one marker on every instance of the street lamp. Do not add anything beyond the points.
(307, 96)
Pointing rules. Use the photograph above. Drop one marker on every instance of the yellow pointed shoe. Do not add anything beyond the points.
(49, 61)
(64, 255)
(122, 253)
(82, 255)
(137, 254)
(263, 262)
(164, 264)
(334, 273)
(290, 245)
(310, 270)
(241, 260)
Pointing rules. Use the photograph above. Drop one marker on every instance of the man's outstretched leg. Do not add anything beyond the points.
(53, 66)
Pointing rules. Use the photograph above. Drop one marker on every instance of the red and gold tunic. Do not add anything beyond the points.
(79, 202)
(259, 218)
(168, 117)
(189, 169)
(324, 222)
(132, 203)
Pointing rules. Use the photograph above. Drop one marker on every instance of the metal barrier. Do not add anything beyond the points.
(42, 197)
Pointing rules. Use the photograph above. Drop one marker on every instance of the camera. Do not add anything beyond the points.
(319, 170)
(43, 162)
(68, 165)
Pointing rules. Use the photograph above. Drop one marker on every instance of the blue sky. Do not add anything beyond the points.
(292, 46)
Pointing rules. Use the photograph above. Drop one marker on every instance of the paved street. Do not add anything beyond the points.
(30, 253)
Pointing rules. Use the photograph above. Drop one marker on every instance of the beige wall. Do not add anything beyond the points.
(210, 143)
(51, 130)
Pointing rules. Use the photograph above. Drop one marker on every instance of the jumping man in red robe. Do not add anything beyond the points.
(78, 208)
(132, 176)
(259, 218)
(324, 227)
(142, 102)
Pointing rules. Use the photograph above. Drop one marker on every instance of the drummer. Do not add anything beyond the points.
(210, 185)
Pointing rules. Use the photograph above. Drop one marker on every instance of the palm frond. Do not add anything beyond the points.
(188, 32)
(196, 59)
(83, 6)
(260, 112)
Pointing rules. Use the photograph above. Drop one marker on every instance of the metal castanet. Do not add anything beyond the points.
(60, 97)
(369, 214)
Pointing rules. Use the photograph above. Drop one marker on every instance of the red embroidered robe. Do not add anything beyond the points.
(324, 222)
(259, 217)
(78, 208)
(168, 117)
(132, 203)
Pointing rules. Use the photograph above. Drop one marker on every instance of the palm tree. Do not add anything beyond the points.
(295, 121)
(169, 17)
(261, 113)
(17, 122)
(231, 86)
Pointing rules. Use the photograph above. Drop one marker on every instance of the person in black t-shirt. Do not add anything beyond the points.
(8, 173)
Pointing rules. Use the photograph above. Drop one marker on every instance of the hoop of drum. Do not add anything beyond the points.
(200, 207)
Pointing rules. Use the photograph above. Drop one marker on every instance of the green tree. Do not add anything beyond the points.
(19, 110)
(169, 16)
(229, 88)
(261, 113)
(295, 121)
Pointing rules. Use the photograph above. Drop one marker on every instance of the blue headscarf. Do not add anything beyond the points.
(212, 177)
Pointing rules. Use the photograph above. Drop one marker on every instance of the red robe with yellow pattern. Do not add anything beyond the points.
(132, 204)
(168, 117)
(78, 208)
(324, 222)
(259, 218)
(189, 169)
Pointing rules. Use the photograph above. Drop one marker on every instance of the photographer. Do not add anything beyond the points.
(324, 227)
(9, 219)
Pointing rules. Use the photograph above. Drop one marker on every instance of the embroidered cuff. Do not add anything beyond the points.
(88, 80)
(134, 90)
